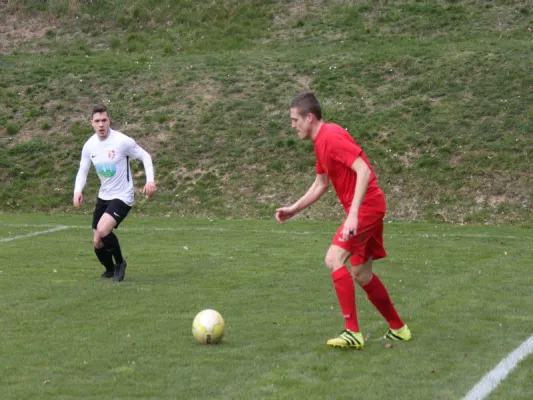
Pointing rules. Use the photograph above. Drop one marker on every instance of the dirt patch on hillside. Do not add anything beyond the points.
(16, 31)
(297, 9)
(296, 12)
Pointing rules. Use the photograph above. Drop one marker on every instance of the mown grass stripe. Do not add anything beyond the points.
(214, 229)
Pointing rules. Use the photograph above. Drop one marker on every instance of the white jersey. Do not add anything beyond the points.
(110, 158)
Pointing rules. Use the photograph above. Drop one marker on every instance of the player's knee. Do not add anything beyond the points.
(362, 276)
(332, 263)
(97, 242)
(101, 233)
(98, 235)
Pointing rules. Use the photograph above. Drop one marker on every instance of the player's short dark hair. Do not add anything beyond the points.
(99, 109)
(306, 103)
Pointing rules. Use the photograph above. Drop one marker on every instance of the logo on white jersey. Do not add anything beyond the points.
(111, 154)
(107, 170)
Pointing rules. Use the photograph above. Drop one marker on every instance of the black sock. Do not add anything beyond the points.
(111, 244)
(105, 258)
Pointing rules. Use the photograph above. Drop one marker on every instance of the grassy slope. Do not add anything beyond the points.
(437, 92)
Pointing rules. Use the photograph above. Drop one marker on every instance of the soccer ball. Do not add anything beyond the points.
(208, 327)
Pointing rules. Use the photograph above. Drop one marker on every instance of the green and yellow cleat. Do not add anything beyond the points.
(348, 340)
(402, 335)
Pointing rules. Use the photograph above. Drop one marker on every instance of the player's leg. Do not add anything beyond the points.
(104, 232)
(115, 213)
(104, 256)
(350, 337)
(377, 293)
(375, 289)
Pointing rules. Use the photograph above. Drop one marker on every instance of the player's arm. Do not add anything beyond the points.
(81, 177)
(363, 172)
(137, 152)
(317, 189)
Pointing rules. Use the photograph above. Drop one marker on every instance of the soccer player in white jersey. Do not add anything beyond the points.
(110, 151)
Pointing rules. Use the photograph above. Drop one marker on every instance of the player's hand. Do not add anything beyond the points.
(77, 199)
(149, 189)
(284, 213)
(349, 228)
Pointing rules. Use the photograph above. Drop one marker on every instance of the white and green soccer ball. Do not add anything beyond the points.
(208, 327)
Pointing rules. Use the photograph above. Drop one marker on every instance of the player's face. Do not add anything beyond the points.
(100, 123)
(300, 124)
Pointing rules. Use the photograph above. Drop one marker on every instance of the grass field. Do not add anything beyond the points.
(465, 292)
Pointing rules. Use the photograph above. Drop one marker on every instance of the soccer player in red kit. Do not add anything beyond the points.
(339, 159)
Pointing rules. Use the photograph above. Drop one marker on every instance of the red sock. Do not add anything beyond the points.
(378, 295)
(344, 286)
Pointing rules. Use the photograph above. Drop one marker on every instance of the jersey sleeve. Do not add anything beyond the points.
(85, 165)
(136, 152)
(345, 151)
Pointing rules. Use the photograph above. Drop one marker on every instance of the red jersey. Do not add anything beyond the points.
(336, 152)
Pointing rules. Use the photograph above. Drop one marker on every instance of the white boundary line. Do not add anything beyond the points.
(492, 379)
(213, 229)
(57, 228)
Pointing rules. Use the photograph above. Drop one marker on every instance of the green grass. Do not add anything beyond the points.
(437, 93)
(66, 333)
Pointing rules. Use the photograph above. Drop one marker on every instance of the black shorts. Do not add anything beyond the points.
(116, 208)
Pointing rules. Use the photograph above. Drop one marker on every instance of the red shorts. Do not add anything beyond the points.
(366, 244)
